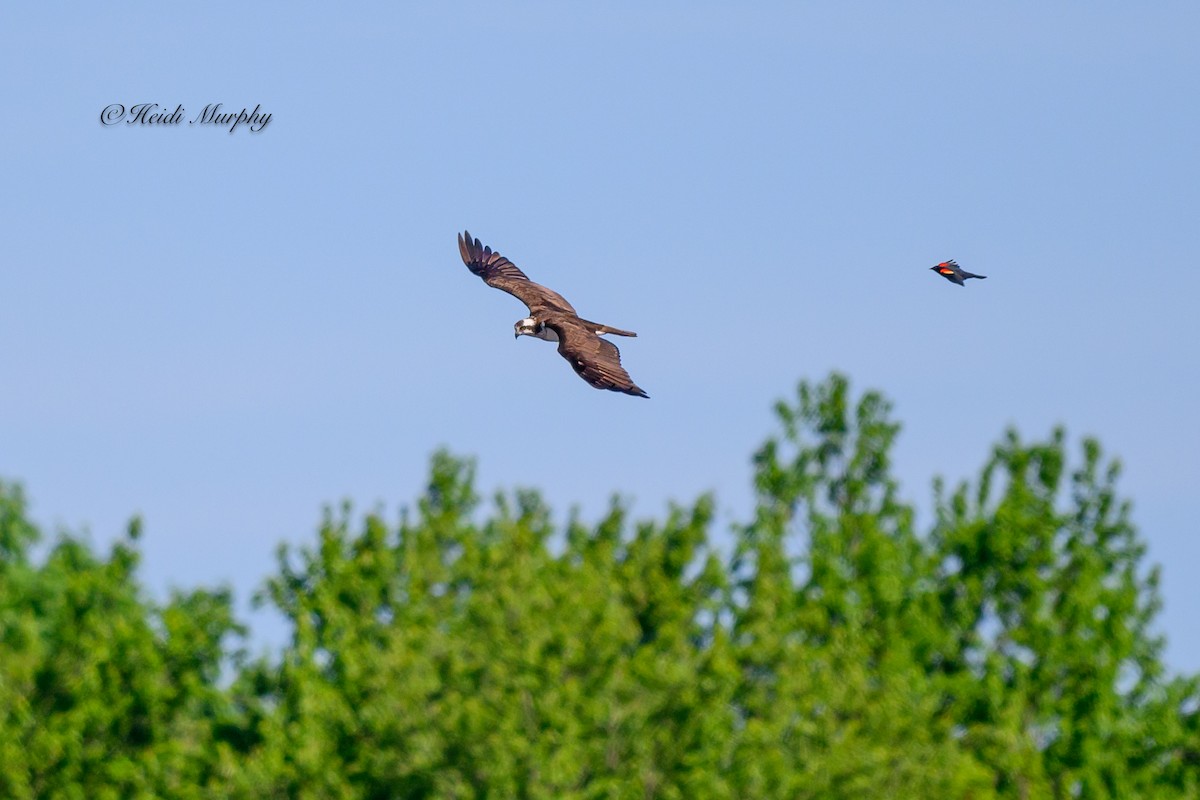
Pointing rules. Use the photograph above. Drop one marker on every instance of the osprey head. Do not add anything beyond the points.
(526, 327)
(535, 328)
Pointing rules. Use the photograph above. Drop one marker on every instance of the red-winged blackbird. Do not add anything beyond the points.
(951, 271)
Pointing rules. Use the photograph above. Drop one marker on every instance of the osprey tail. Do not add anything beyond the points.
(598, 328)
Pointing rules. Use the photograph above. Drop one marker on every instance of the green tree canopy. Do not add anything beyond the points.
(823, 648)
(102, 693)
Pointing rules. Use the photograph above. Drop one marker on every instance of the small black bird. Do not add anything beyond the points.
(954, 273)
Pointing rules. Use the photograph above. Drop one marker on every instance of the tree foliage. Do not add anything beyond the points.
(825, 648)
(102, 693)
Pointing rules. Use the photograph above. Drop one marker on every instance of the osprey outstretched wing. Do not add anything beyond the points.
(552, 318)
(596, 360)
(497, 271)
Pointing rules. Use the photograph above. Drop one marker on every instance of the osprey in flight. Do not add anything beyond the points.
(552, 318)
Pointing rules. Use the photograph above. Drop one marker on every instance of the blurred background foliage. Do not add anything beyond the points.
(830, 651)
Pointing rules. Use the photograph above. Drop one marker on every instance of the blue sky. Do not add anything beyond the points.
(224, 332)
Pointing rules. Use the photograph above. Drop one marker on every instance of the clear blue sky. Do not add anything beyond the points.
(223, 332)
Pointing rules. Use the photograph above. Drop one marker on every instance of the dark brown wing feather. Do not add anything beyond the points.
(498, 271)
(596, 360)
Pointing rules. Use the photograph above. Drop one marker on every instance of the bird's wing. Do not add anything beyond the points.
(596, 360)
(498, 271)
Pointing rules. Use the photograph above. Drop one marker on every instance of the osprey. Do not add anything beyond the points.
(552, 318)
